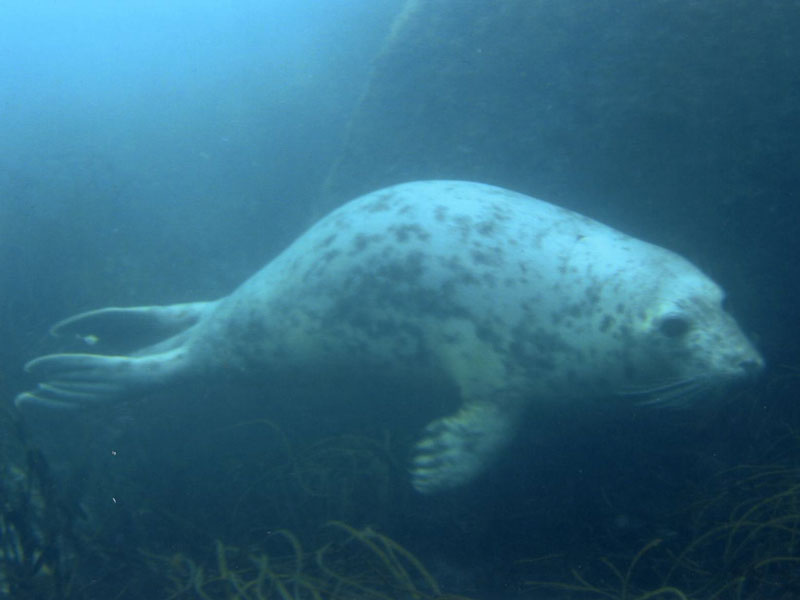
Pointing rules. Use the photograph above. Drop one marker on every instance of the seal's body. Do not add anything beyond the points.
(512, 299)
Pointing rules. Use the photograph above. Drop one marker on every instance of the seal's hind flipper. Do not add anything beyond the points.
(71, 380)
(456, 448)
(147, 362)
(134, 326)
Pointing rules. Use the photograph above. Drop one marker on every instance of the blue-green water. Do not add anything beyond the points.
(153, 153)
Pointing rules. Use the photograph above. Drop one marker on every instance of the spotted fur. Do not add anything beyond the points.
(510, 298)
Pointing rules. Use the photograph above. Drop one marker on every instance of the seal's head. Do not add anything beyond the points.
(688, 341)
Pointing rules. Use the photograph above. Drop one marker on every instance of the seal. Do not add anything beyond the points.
(512, 300)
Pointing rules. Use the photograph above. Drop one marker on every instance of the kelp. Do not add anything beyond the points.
(622, 588)
(752, 551)
(359, 563)
(37, 542)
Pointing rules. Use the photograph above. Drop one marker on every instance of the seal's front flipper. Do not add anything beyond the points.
(132, 327)
(72, 380)
(456, 448)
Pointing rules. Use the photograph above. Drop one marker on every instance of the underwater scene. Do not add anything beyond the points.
(399, 300)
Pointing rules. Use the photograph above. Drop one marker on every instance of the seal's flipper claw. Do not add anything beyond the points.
(454, 449)
(77, 379)
(133, 326)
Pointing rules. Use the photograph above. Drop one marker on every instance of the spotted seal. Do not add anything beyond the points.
(511, 299)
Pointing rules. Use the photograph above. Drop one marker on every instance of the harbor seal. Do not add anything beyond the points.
(512, 300)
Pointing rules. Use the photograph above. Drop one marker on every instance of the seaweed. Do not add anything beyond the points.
(363, 564)
(748, 546)
(37, 542)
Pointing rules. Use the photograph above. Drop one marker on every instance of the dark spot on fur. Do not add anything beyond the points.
(464, 224)
(327, 241)
(486, 228)
(607, 322)
(408, 270)
(362, 240)
(381, 203)
(403, 232)
(487, 256)
(451, 338)
(440, 212)
(468, 278)
(500, 212)
(488, 333)
(593, 294)
(538, 349)
(329, 256)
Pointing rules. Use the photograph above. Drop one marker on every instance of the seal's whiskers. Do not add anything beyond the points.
(656, 388)
(675, 394)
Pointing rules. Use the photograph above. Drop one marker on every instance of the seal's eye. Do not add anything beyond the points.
(674, 327)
